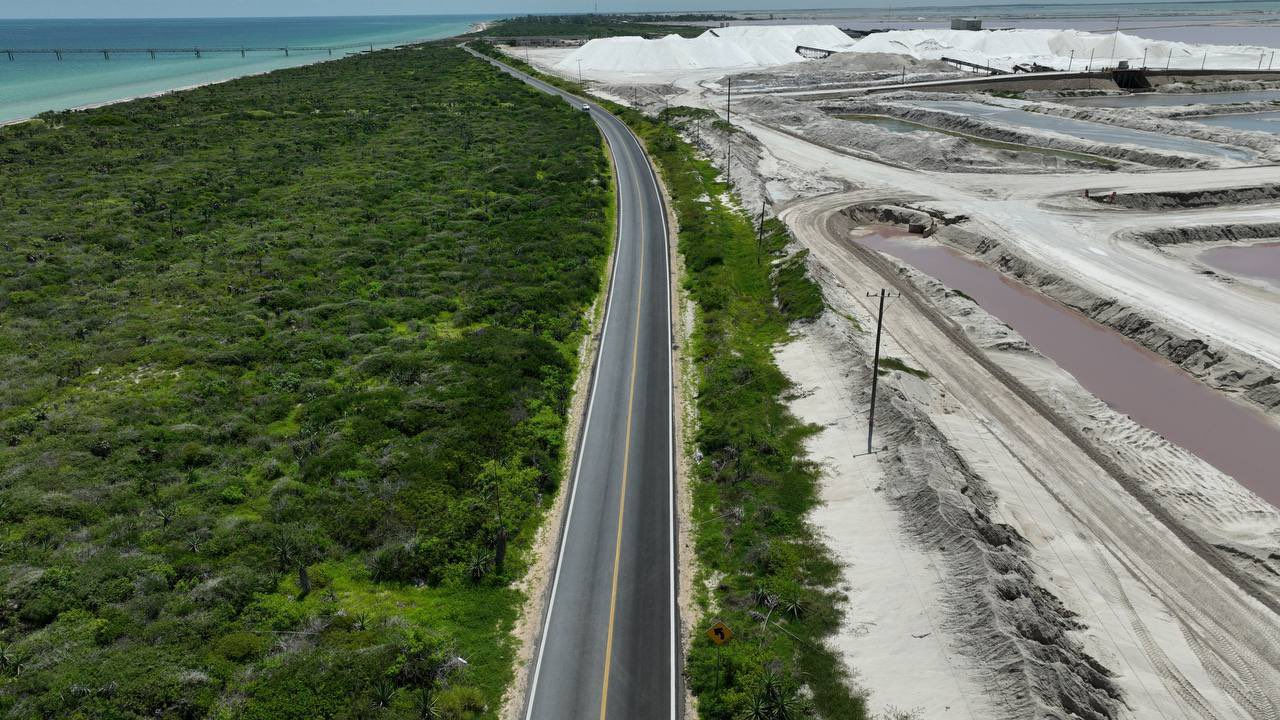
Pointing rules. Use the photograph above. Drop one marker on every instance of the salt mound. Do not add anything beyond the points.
(737, 47)
(750, 47)
(1057, 48)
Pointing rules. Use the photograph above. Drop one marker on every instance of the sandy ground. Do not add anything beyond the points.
(895, 638)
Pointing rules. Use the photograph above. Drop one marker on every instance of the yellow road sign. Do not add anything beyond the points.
(720, 633)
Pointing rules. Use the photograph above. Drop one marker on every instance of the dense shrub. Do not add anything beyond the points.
(275, 355)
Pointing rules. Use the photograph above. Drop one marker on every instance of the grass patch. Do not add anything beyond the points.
(799, 297)
(888, 364)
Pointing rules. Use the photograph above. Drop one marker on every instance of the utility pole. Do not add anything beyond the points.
(1090, 66)
(579, 72)
(1205, 60)
(1144, 58)
(1114, 42)
(1071, 60)
(875, 369)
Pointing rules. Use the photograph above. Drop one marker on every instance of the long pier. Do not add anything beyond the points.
(107, 53)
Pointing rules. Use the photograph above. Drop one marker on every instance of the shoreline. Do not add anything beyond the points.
(475, 27)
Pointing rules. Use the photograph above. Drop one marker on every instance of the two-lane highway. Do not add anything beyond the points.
(610, 631)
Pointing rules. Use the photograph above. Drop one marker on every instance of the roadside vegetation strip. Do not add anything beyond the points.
(764, 572)
(287, 363)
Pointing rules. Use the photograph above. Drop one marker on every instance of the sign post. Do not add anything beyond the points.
(719, 634)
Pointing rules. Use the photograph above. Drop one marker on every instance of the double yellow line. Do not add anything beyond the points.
(626, 458)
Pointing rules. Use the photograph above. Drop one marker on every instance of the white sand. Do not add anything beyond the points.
(722, 48)
(1057, 48)
(744, 48)
(893, 635)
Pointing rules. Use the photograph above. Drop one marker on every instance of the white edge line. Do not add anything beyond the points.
(582, 444)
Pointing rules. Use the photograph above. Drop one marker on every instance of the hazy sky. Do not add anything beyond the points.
(273, 8)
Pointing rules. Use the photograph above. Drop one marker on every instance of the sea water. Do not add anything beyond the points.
(32, 84)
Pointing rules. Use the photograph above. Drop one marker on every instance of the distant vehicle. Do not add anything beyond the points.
(586, 107)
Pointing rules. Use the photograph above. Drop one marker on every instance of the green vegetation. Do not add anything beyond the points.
(799, 298)
(888, 364)
(286, 363)
(589, 26)
(774, 581)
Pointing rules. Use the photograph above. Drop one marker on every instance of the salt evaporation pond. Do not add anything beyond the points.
(1268, 121)
(1260, 260)
(1174, 99)
(1094, 132)
(1237, 439)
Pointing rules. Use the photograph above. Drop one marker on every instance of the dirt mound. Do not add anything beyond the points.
(1207, 234)
(1173, 199)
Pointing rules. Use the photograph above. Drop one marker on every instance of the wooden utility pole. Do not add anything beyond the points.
(875, 369)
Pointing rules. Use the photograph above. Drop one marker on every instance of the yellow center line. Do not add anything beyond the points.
(622, 499)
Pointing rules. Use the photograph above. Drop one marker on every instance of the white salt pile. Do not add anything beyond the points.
(721, 48)
(1059, 49)
(753, 47)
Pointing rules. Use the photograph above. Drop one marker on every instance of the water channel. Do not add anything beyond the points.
(1091, 131)
(1173, 99)
(1235, 438)
(1268, 121)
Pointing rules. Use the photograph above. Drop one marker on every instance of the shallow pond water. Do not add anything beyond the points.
(1233, 437)
(1260, 260)
(1262, 121)
(1085, 130)
(1173, 99)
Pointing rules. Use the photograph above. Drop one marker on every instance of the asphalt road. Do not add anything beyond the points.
(608, 648)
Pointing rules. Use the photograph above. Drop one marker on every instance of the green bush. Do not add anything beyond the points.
(240, 646)
(461, 703)
(257, 336)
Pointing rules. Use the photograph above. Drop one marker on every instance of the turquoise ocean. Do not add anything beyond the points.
(34, 83)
